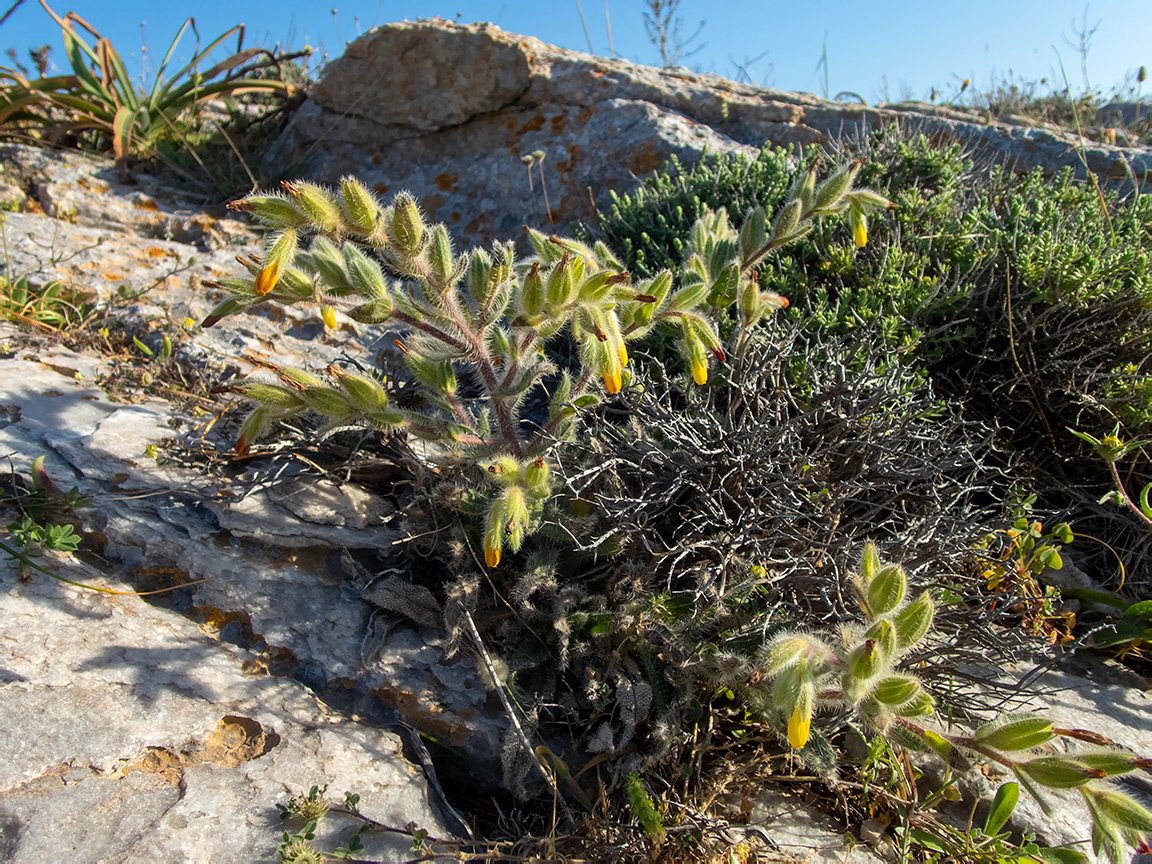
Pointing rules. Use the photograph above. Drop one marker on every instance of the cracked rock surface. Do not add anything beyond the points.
(131, 735)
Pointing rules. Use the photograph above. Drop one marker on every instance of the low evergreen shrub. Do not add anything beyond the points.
(1026, 300)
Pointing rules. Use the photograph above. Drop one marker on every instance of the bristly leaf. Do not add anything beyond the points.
(1015, 732)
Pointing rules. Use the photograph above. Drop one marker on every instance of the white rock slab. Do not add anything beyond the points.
(128, 734)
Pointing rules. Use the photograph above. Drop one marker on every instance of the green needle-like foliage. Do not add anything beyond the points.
(1023, 299)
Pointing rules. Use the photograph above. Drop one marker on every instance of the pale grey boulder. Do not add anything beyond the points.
(86, 189)
(392, 112)
(267, 549)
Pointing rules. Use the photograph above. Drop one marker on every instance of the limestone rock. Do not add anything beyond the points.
(85, 189)
(267, 545)
(131, 735)
(454, 133)
(484, 75)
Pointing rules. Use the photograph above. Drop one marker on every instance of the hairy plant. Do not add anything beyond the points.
(797, 673)
(483, 315)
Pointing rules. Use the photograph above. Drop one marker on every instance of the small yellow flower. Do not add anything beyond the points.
(189, 323)
(329, 316)
(267, 278)
(700, 372)
(491, 555)
(151, 451)
(859, 227)
(612, 378)
(798, 728)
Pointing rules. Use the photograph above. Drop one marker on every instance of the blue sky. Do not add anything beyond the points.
(879, 49)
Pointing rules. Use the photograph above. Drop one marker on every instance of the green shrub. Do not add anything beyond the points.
(1025, 299)
(671, 550)
(99, 102)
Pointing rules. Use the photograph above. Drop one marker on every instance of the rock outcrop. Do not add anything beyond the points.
(447, 111)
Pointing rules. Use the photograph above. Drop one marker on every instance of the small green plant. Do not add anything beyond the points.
(33, 536)
(1111, 449)
(159, 358)
(100, 96)
(644, 810)
(1019, 556)
(1030, 551)
(40, 505)
(490, 319)
(311, 809)
(1131, 632)
(53, 307)
(799, 673)
(989, 843)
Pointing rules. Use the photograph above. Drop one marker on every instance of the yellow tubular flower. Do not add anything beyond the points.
(699, 371)
(859, 228)
(612, 377)
(279, 257)
(798, 729)
(267, 278)
(329, 316)
(491, 555)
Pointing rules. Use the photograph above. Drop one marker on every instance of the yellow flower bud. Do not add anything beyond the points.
(612, 377)
(491, 555)
(799, 727)
(267, 278)
(329, 316)
(859, 228)
(281, 253)
(699, 371)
